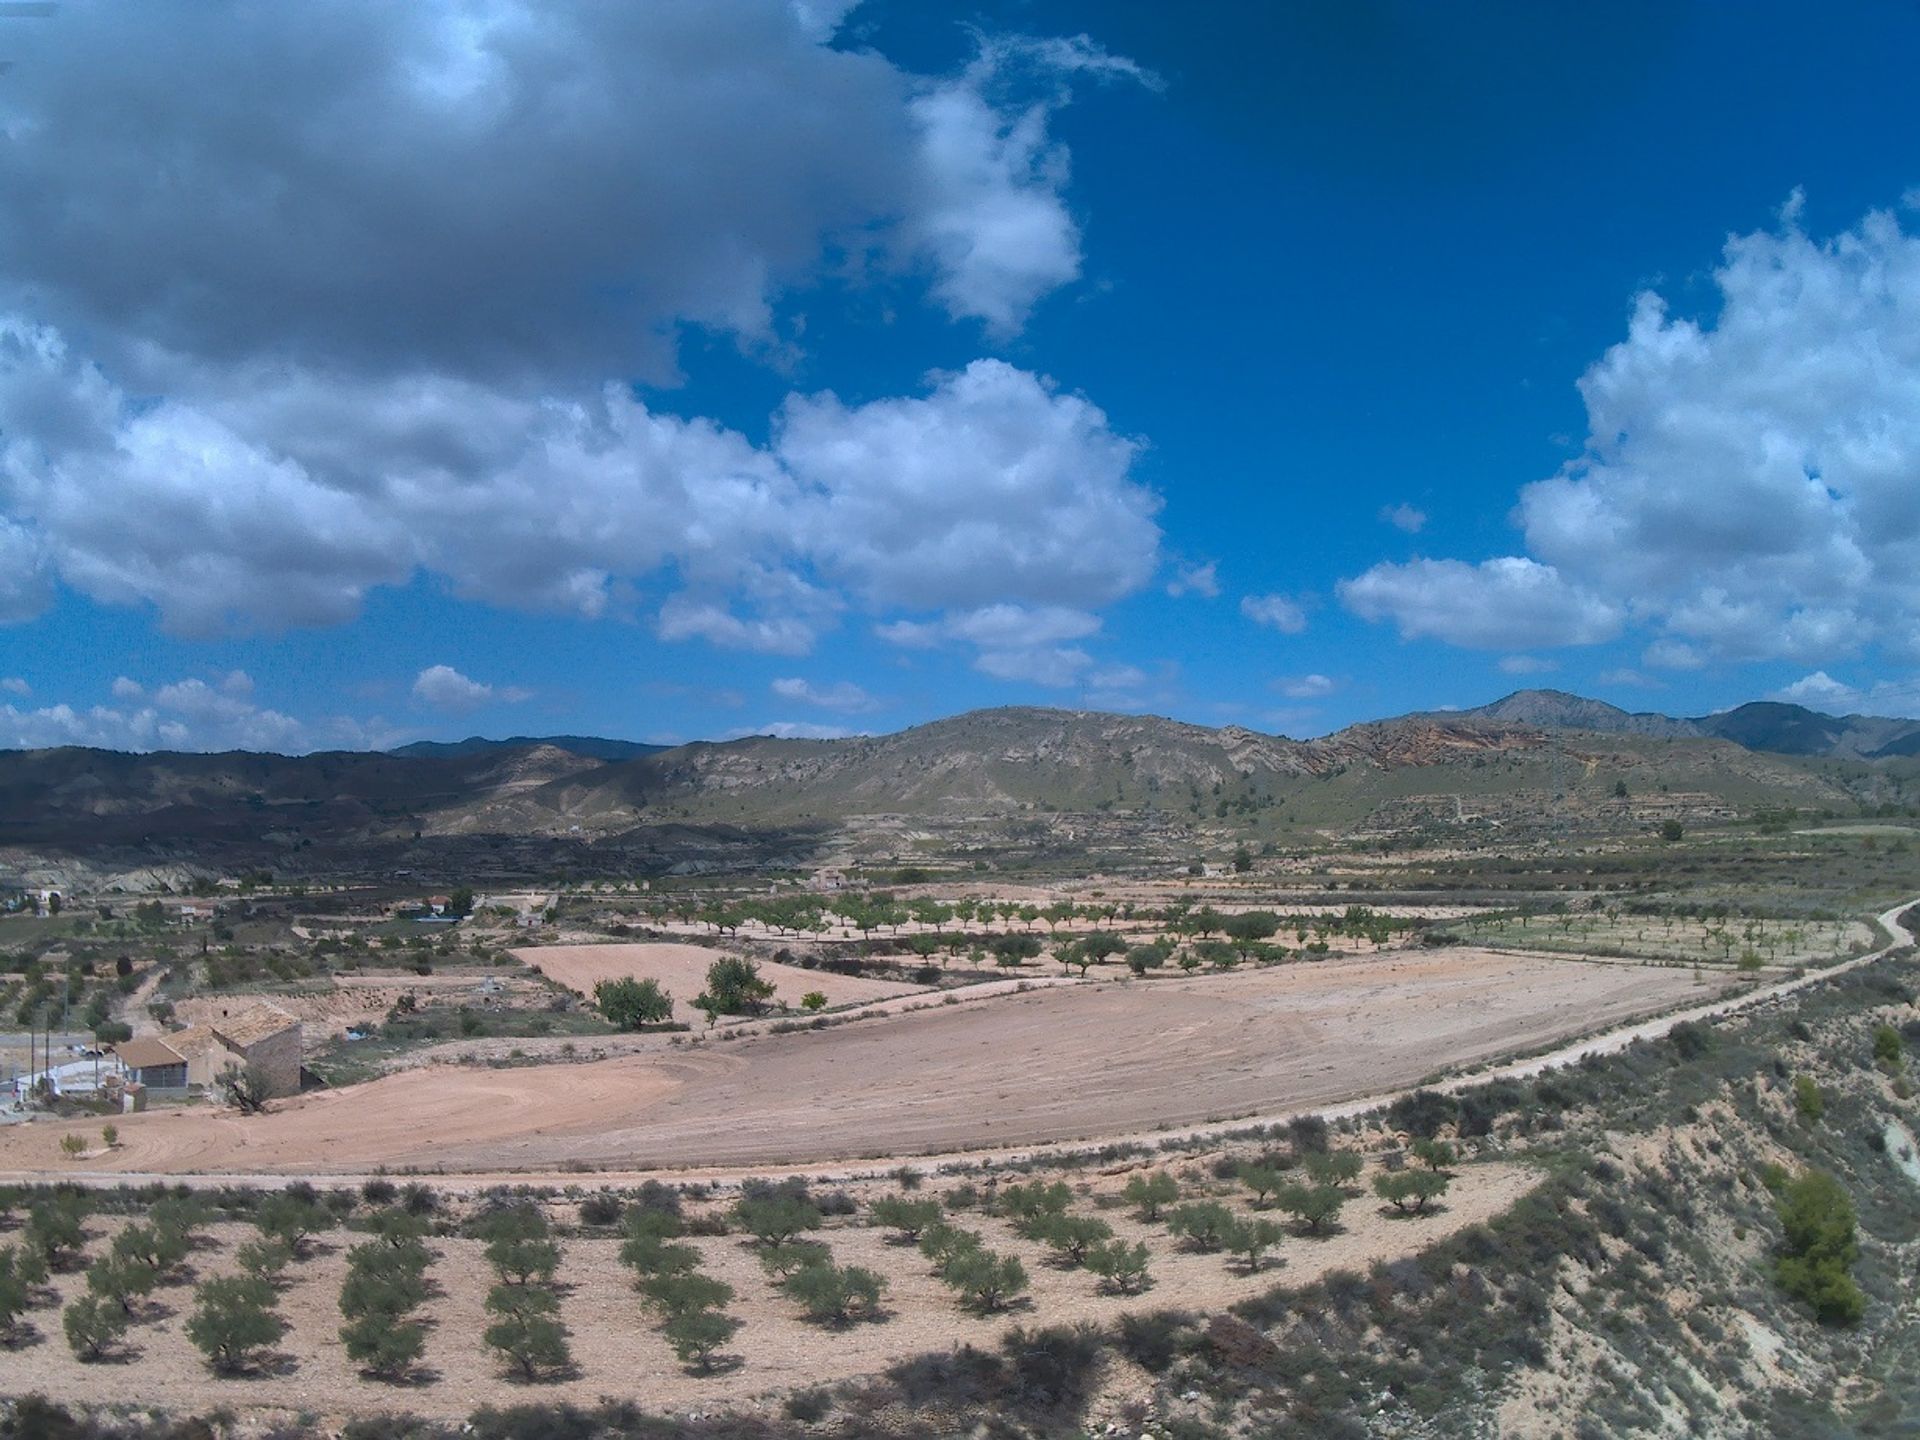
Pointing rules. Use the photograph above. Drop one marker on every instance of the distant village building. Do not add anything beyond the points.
(190, 912)
(437, 904)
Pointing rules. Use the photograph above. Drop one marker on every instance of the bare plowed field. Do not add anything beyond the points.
(1074, 1062)
(682, 973)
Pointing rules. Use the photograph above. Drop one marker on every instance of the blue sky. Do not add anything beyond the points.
(692, 370)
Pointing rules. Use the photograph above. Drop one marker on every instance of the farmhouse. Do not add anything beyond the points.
(153, 1064)
(262, 1036)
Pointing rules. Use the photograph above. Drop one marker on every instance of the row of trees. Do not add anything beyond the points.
(689, 1306)
(526, 1328)
(385, 1287)
(801, 914)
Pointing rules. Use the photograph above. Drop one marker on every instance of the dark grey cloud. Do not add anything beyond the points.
(478, 189)
(296, 302)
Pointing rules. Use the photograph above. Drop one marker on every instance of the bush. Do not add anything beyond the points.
(697, 1334)
(1027, 1204)
(986, 1281)
(1071, 1236)
(1205, 1226)
(601, 1209)
(775, 1219)
(16, 1293)
(656, 1198)
(1152, 1341)
(121, 1280)
(234, 1322)
(527, 1331)
(1691, 1040)
(809, 1407)
(1263, 1181)
(1888, 1048)
(519, 1244)
(837, 1202)
(1434, 1154)
(1308, 1134)
(94, 1325)
(835, 1295)
(56, 1227)
(1411, 1191)
(908, 1217)
(631, 1004)
(683, 1291)
(1423, 1114)
(1808, 1101)
(941, 1242)
(1819, 1248)
(264, 1258)
(1149, 1193)
(1053, 1368)
(291, 1216)
(1122, 1268)
(1251, 1239)
(379, 1191)
(420, 1199)
(734, 987)
(1317, 1207)
(384, 1342)
(780, 1261)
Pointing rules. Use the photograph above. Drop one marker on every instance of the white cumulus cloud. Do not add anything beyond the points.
(1276, 612)
(1500, 604)
(1202, 580)
(445, 688)
(1404, 517)
(1750, 484)
(992, 214)
(1305, 687)
(1011, 642)
(841, 695)
(1527, 665)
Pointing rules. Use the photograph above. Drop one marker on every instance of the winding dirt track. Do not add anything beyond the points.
(1066, 1063)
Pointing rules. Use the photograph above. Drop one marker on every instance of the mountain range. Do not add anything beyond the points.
(593, 747)
(1531, 759)
(1770, 725)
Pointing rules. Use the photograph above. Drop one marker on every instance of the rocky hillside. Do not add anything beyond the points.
(1771, 726)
